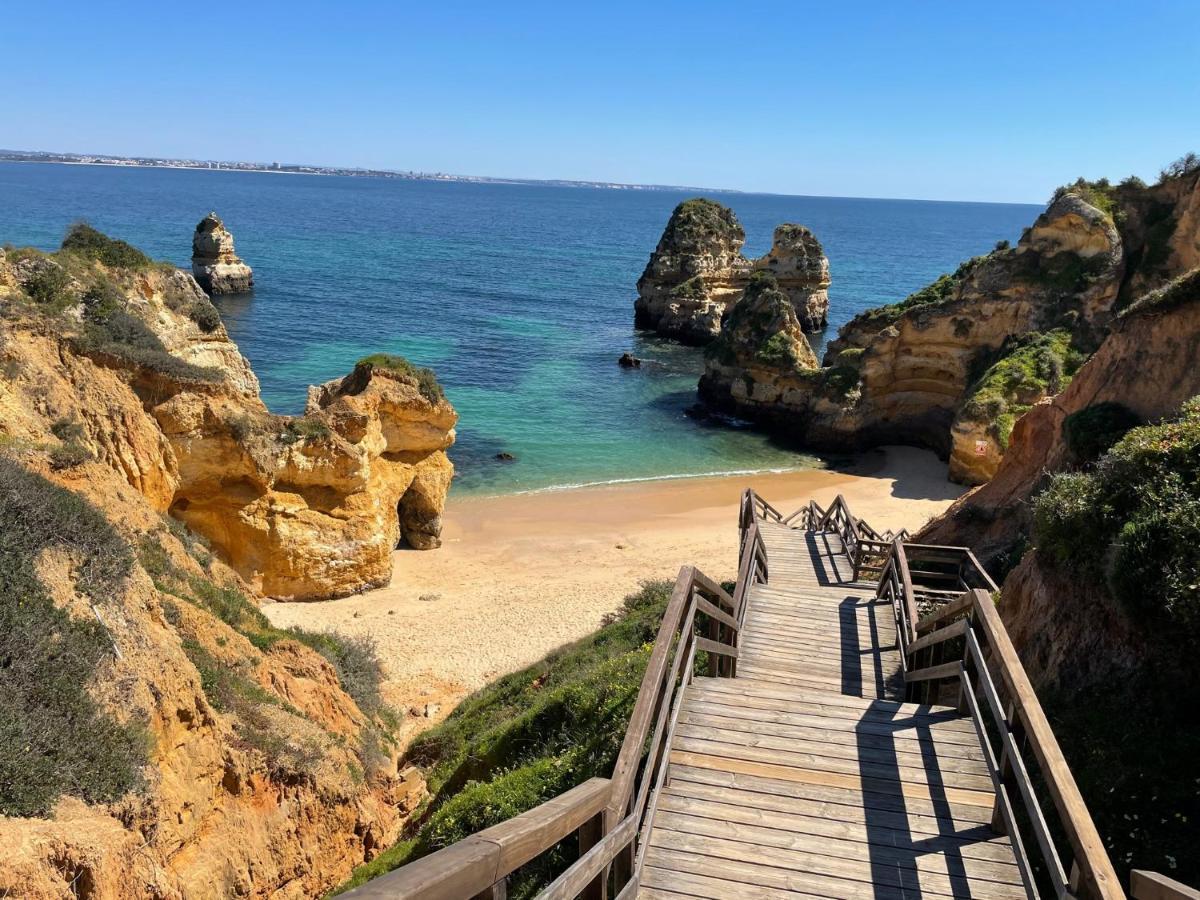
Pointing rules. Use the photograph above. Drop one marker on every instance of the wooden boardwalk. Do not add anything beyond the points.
(804, 776)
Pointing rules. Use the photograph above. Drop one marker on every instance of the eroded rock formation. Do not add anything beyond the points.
(697, 273)
(214, 264)
(301, 508)
(956, 364)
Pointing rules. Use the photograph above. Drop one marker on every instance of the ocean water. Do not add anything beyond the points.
(519, 296)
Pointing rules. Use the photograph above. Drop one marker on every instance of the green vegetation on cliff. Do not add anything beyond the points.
(699, 222)
(424, 380)
(54, 738)
(89, 305)
(1132, 521)
(529, 736)
(1030, 368)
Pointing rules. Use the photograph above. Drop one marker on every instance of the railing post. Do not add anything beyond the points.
(590, 833)
(1005, 766)
(498, 891)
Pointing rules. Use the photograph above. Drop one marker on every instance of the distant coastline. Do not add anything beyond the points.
(211, 165)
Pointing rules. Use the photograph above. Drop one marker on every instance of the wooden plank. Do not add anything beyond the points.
(584, 870)
(814, 863)
(649, 692)
(890, 710)
(665, 884)
(832, 779)
(951, 816)
(874, 750)
(934, 673)
(715, 612)
(882, 853)
(849, 837)
(847, 764)
(731, 719)
(709, 646)
(850, 821)
(957, 629)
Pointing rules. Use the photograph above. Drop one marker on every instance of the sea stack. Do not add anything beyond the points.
(214, 264)
(697, 273)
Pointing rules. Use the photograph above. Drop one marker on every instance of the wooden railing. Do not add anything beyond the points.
(610, 816)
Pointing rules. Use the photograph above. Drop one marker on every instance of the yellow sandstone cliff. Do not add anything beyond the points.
(259, 763)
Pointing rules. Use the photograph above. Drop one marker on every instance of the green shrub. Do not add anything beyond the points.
(205, 315)
(1092, 430)
(530, 736)
(1133, 521)
(304, 429)
(356, 661)
(87, 241)
(1185, 165)
(66, 430)
(940, 291)
(69, 455)
(54, 738)
(398, 367)
(49, 285)
(1099, 194)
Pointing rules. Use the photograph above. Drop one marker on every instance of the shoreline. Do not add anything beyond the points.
(519, 575)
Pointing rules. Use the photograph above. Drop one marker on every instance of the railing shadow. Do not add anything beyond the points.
(895, 850)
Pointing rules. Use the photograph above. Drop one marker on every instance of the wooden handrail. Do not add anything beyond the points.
(1020, 722)
(471, 866)
(1145, 885)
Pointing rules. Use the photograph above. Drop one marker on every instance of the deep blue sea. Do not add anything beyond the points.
(519, 296)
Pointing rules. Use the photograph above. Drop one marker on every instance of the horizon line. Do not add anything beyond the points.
(345, 171)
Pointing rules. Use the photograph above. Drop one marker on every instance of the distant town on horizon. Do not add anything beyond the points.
(156, 162)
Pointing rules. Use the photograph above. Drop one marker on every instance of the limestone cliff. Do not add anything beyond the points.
(1147, 364)
(255, 762)
(697, 273)
(954, 365)
(137, 358)
(214, 264)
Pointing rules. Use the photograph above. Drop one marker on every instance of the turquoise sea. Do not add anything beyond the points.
(519, 296)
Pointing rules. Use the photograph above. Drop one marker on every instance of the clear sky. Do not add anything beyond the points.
(938, 100)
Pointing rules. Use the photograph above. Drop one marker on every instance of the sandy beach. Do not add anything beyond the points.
(522, 574)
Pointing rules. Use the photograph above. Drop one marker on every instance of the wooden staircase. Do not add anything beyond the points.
(805, 774)
(852, 721)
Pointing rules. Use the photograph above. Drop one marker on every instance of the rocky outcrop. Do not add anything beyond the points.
(697, 273)
(798, 262)
(762, 367)
(953, 366)
(302, 508)
(214, 264)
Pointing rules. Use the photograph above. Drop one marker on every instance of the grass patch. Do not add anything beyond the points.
(401, 369)
(530, 736)
(54, 738)
(1180, 292)
(304, 429)
(941, 291)
(1032, 367)
(1100, 194)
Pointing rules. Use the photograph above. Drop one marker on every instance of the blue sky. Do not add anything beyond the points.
(937, 100)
